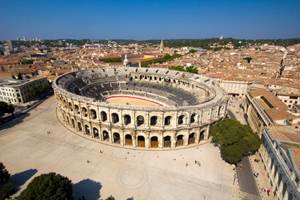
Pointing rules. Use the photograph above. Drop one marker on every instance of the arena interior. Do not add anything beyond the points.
(146, 108)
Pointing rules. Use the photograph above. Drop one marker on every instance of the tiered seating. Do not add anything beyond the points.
(97, 84)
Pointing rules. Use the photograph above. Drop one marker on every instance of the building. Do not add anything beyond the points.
(289, 99)
(280, 154)
(263, 108)
(175, 108)
(19, 92)
(235, 88)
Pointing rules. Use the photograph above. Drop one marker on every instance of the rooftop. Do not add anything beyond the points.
(274, 108)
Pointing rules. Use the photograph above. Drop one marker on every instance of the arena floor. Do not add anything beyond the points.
(133, 101)
(39, 143)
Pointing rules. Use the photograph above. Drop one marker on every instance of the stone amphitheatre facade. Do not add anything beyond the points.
(169, 109)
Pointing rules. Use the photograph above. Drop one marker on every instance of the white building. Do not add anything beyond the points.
(19, 92)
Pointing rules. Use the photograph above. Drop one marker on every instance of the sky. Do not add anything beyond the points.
(149, 19)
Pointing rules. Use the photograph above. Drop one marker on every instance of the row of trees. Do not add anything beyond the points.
(111, 60)
(165, 58)
(49, 186)
(234, 139)
(190, 69)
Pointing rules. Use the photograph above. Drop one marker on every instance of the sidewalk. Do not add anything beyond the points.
(262, 181)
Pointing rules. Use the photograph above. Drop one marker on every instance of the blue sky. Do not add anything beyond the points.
(149, 19)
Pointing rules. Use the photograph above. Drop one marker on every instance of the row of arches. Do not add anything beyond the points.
(182, 119)
(140, 140)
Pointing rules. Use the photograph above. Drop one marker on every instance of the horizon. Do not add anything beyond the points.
(144, 20)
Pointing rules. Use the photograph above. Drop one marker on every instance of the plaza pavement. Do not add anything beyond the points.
(102, 170)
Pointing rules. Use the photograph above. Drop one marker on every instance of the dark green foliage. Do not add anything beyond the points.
(6, 187)
(166, 58)
(6, 108)
(190, 69)
(4, 174)
(177, 68)
(192, 51)
(7, 190)
(49, 186)
(110, 198)
(111, 60)
(234, 139)
(26, 62)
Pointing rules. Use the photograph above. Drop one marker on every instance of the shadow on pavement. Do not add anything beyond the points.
(88, 189)
(13, 120)
(20, 178)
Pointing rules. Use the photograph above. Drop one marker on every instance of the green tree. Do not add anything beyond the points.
(6, 108)
(4, 174)
(110, 198)
(49, 186)
(234, 139)
(7, 188)
(192, 69)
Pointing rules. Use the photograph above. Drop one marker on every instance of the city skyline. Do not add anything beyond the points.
(143, 20)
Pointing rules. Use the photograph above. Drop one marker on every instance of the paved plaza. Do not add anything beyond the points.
(39, 143)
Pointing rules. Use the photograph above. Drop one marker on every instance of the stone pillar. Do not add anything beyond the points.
(173, 142)
(147, 141)
(197, 136)
(207, 132)
(185, 139)
(160, 141)
(134, 143)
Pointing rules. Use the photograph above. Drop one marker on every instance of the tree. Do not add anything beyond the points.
(50, 186)
(234, 139)
(110, 198)
(192, 69)
(6, 108)
(4, 174)
(7, 188)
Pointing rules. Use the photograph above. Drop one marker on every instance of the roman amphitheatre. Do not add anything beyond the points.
(150, 108)
(45, 140)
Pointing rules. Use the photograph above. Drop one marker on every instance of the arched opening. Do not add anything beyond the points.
(167, 120)
(180, 119)
(153, 120)
(154, 142)
(77, 109)
(191, 138)
(127, 119)
(93, 114)
(167, 141)
(84, 112)
(141, 141)
(114, 118)
(193, 118)
(73, 123)
(105, 136)
(103, 116)
(128, 140)
(202, 135)
(87, 129)
(179, 140)
(116, 138)
(70, 106)
(140, 120)
(95, 133)
(79, 126)
(68, 121)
